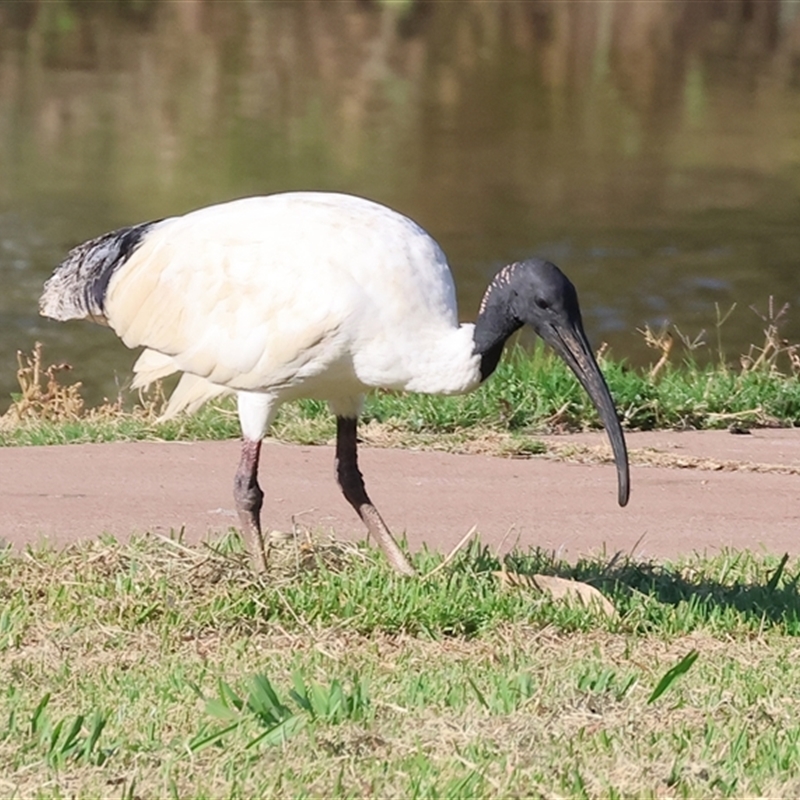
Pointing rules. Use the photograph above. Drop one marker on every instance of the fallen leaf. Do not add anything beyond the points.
(559, 588)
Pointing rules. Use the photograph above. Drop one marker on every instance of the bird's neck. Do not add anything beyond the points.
(494, 325)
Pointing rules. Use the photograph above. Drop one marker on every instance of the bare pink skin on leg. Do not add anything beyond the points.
(249, 497)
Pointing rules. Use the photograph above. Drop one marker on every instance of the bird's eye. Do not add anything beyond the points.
(542, 303)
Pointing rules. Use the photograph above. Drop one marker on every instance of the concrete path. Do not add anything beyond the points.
(691, 491)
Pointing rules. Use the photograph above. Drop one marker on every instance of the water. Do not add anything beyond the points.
(652, 150)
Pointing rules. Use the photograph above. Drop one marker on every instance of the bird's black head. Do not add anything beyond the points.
(543, 296)
(537, 293)
(532, 292)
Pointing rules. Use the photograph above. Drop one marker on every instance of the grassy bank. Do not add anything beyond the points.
(530, 393)
(149, 668)
(152, 669)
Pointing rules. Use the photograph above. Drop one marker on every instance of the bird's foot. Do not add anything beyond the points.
(383, 536)
(259, 548)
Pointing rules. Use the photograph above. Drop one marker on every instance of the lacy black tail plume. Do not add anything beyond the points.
(77, 288)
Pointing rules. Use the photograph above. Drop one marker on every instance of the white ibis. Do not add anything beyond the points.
(310, 294)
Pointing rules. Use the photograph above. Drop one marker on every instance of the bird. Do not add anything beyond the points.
(310, 294)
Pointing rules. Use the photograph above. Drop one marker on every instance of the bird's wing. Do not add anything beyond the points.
(190, 393)
(151, 366)
(221, 309)
(255, 293)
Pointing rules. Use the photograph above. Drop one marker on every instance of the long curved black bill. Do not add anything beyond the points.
(570, 342)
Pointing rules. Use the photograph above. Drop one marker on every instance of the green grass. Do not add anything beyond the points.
(155, 669)
(529, 393)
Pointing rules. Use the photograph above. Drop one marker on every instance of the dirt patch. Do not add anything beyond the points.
(690, 492)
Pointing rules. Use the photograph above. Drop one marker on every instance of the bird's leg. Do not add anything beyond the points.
(352, 484)
(248, 495)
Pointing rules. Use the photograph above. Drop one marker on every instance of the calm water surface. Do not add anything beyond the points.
(651, 149)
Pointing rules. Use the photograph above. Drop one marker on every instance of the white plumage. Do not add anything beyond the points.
(294, 295)
(300, 295)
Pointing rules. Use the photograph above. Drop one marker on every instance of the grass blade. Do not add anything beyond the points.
(98, 722)
(204, 739)
(772, 585)
(280, 733)
(37, 714)
(71, 740)
(478, 693)
(683, 666)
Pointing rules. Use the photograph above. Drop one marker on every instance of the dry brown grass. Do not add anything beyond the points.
(775, 346)
(577, 453)
(45, 396)
(776, 354)
(42, 395)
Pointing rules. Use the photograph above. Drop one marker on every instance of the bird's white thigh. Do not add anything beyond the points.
(256, 412)
(347, 407)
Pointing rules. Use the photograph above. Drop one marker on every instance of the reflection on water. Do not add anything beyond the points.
(650, 149)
